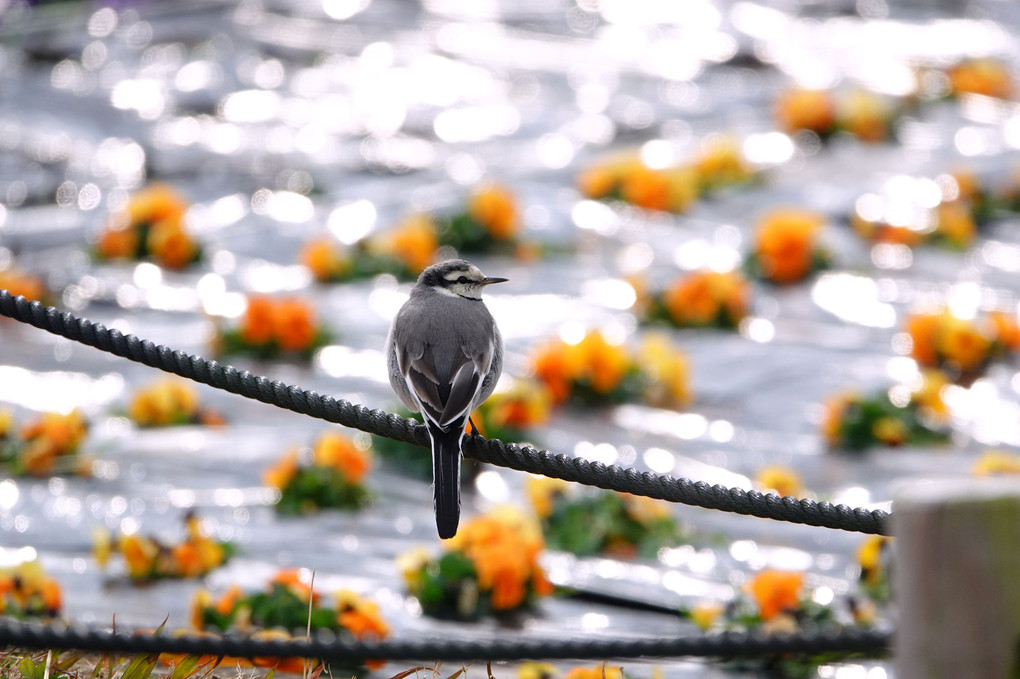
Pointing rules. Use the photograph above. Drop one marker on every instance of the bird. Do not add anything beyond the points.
(444, 355)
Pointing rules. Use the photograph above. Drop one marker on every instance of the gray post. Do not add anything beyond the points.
(956, 579)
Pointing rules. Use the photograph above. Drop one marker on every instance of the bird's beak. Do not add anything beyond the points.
(490, 281)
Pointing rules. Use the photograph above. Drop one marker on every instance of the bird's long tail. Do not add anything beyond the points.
(446, 475)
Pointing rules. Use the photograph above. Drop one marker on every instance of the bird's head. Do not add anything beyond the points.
(457, 277)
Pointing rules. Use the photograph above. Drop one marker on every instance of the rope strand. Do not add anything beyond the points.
(493, 451)
(327, 647)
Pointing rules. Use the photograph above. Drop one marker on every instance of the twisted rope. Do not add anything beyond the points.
(328, 648)
(493, 451)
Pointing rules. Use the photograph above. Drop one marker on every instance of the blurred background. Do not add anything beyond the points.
(770, 245)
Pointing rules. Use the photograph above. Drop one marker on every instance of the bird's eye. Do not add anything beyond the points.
(462, 279)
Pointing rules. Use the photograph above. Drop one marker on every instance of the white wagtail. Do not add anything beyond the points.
(445, 354)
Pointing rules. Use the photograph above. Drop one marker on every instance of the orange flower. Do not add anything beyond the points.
(776, 592)
(155, 203)
(280, 474)
(604, 364)
(188, 560)
(294, 325)
(524, 405)
(52, 595)
(360, 616)
(981, 76)
(1005, 329)
(335, 450)
(170, 245)
(800, 109)
(140, 554)
(283, 665)
(955, 223)
(597, 672)
(117, 242)
(832, 421)
(258, 324)
(413, 241)
(701, 298)
(786, 244)
(556, 366)
(227, 602)
(19, 283)
(598, 181)
(961, 343)
(504, 549)
(669, 190)
(923, 329)
(294, 580)
(325, 259)
(881, 232)
(496, 209)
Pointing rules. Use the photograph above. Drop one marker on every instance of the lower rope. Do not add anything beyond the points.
(727, 645)
(493, 451)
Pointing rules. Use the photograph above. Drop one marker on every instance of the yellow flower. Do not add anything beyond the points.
(801, 109)
(776, 592)
(997, 462)
(411, 564)
(360, 617)
(668, 372)
(645, 509)
(865, 115)
(6, 423)
(785, 243)
(537, 670)
(495, 208)
(720, 163)
(165, 402)
(869, 557)
(524, 405)
(542, 492)
(891, 431)
(102, 546)
(704, 615)
(929, 396)
(200, 602)
(783, 480)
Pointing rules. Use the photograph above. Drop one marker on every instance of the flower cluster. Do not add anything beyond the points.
(786, 247)
(874, 557)
(595, 371)
(152, 225)
(330, 477)
(776, 602)
(27, 592)
(701, 299)
(168, 402)
(898, 416)
(995, 462)
(489, 567)
(404, 250)
(780, 480)
(510, 413)
(271, 328)
(601, 522)
(18, 282)
(49, 444)
(288, 604)
(538, 670)
(490, 223)
(866, 115)
(146, 558)
(959, 347)
(985, 76)
(718, 164)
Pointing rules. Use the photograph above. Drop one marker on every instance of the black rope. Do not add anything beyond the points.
(493, 451)
(328, 648)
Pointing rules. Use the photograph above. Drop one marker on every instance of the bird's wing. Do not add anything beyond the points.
(445, 400)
